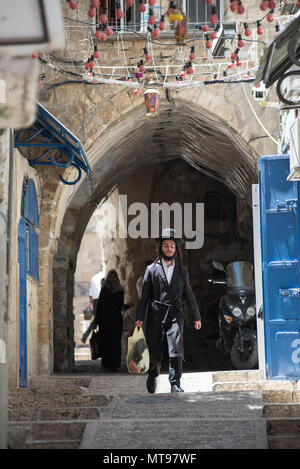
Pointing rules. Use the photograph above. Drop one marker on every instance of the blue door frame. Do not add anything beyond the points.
(22, 304)
(280, 249)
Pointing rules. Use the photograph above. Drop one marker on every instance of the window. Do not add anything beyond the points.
(199, 12)
(29, 211)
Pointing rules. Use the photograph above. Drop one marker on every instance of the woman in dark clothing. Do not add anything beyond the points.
(110, 320)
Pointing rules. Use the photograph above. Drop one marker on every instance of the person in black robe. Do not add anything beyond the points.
(110, 320)
(165, 288)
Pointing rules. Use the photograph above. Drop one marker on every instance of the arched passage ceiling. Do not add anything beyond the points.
(182, 130)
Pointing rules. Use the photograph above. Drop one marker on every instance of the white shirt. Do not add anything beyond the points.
(95, 285)
(168, 270)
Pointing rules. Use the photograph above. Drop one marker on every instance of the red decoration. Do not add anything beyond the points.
(213, 35)
(264, 5)
(155, 33)
(141, 67)
(205, 28)
(234, 5)
(260, 29)
(182, 74)
(162, 24)
(119, 12)
(230, 65)
(96, 53)
(241, 9)
(270, 16)
(272, 4)
(151, 2)
(238, 62)
(240, 41)
(108, 31)
(190, 69)
(192, 53)
(129, 3)
(92, 12)
(103, 18)
(208, 42)
(247, 30)
(95, 3)
(137, 91)
(208, 2)
(213, 17)
(298, 4)
(142, 7)
(73, 5)
(151, 19)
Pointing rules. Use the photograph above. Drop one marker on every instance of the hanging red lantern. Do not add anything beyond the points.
(240, 41)
(189, 69)
(108, 31)
(238, 62)
(241, 8)
(137, 91)
(208, 42)
(192, 53)
(230, 65)
(155, 32)
(234, 5)
(213, 35)
(151, 97)
(151, 19)
(208, 2)
(183, 73)
(96, 53)
(264, 5)
(73, 5)
(270, 16)
(247, 30)
(162, 23)
(298, 4)
(129, 3)
(95, 3)
(272, 4)
(103, 18)
(213, 17)
(141, 66)
(205, 28)
(151, 3)
(92, 12)
(260, 29)
(119, 12)
(142, 6)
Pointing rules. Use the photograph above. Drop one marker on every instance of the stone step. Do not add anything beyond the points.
(235, 376)
(61, 401)
(281, 410)
(61, 381)
(49, 430)
(54, 444)
(283, 427)
(284, 442)
(64, 413)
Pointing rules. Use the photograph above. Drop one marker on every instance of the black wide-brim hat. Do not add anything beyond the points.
(169, 233)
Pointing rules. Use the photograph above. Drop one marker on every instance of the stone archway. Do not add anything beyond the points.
(182, 130)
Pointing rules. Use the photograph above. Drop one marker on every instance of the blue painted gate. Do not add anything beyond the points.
(280, 238)
(22, 303)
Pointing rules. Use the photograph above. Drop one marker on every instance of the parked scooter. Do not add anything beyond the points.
(237, 314)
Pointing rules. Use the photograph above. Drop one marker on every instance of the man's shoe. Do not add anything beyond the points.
(176, 388)
(151, 384)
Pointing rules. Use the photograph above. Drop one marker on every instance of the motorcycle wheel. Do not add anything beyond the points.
(247, 359)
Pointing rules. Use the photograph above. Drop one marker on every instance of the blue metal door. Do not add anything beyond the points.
(22, 304)
(279, 207)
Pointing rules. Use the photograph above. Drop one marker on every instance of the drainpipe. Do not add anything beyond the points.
(5, 256)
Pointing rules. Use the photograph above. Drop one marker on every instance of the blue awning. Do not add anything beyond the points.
(62, 147)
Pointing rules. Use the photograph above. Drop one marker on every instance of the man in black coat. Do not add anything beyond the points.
(165, 287)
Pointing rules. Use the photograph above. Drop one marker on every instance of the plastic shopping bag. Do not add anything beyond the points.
(137, 359)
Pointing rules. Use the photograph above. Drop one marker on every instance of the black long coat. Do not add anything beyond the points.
(110, 320)
(154, 298)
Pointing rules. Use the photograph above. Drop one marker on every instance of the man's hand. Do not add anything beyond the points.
(138, 323)
(197, 325)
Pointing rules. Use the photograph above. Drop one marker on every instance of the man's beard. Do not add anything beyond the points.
(167, 258)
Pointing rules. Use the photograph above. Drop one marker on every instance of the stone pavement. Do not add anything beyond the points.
(195, 419)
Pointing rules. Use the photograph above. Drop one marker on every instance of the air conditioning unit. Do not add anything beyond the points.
(294, 140)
